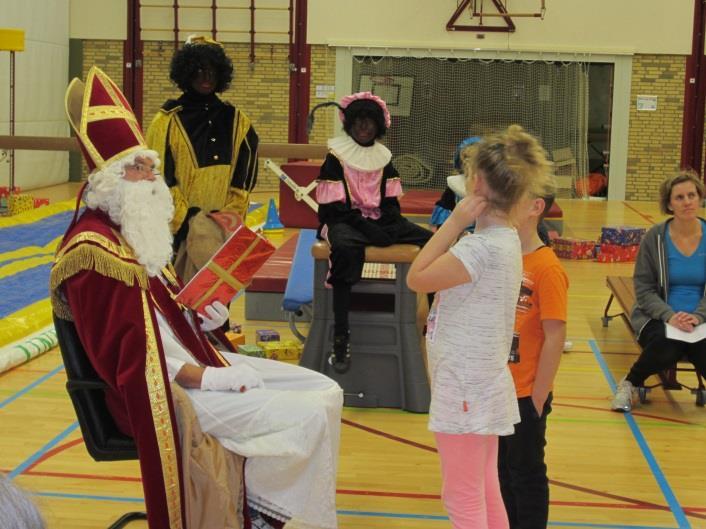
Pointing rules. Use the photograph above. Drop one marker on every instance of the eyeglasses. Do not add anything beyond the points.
(143, 168)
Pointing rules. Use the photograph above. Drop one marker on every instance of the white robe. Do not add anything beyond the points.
(289, 432)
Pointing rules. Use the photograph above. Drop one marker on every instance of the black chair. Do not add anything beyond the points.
(104, 441)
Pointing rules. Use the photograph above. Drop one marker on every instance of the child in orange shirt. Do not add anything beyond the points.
(540, 331)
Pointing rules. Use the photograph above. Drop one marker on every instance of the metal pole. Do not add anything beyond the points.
(176, 24)
(214, 7)
(12, 120)
(694, 100)
(252, 33)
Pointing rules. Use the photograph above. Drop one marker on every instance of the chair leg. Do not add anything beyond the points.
(127, 518)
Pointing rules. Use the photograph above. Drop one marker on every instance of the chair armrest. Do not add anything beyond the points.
(79, 384)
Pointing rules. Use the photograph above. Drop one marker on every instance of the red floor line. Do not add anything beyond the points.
(632, 504)
(388, 435)
(687, 511)
(86, 476)
(645, 216)
(639, 414)
(592, 504)
(409, 495)
(53, 452)
(553, 482)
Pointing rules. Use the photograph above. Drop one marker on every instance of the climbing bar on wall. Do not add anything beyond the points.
(50, 143)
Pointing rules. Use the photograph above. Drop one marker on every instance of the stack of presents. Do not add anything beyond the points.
(617, 244)
(16, 202)
(267, 345)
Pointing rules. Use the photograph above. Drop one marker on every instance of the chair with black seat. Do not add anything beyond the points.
(104, 441)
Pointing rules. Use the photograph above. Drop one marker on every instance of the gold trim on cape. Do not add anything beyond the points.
(157, 388)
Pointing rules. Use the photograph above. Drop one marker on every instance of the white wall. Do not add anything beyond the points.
(600, 26)
(41, 74)
(98, 19)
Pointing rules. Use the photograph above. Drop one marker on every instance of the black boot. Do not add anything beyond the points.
(340, 357)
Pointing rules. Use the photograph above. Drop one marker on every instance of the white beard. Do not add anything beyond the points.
(143, 211)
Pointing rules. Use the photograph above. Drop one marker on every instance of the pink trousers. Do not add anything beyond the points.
(471, 490)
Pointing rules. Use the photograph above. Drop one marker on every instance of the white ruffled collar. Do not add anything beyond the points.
(358, 157)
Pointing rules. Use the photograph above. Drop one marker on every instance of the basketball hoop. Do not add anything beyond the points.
(476, 9)
(480, 9)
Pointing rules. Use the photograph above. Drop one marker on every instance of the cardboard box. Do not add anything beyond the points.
(19, 203)
(616, 253)
(251, 350)
(622, 235)
(567, 248)
(282, 350)
(235, 338)
(266, 335)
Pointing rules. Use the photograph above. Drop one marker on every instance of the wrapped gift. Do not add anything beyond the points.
(251, 350)
(274, 350)
(235, 338)
(622, 235)
(19, 203)
(617, 253)
(294, 349)
(266, 335)
(567, 248)
(39, 202)
(282, 350)
(229, 271)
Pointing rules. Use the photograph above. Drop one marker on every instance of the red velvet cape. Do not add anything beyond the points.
(113, 304)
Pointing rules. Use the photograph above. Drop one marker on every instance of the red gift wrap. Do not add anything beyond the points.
(617, 253)
(574, 248)
(229, 271)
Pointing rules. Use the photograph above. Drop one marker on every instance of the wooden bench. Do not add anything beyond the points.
(622, 290)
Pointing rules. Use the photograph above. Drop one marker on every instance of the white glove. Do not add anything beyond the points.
(216, 315)
(232, 378)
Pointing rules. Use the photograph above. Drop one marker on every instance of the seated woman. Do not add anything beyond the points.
(669, 277)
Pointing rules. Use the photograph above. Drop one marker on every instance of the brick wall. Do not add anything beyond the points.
(323, 73)
(654, 138)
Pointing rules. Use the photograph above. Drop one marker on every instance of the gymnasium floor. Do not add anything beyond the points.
(608, 470)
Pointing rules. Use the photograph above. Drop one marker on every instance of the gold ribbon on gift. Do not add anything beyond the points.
(224, 275)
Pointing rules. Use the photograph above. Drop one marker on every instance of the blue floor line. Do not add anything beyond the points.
(69, 496)
(31, 386)
(39, 453)
(659, 476)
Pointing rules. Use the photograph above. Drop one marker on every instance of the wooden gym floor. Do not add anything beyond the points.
(607, 470)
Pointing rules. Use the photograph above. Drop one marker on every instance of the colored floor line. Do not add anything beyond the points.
(342, 512)
(390, 494)
(32, 461)
(31, 386)
(551, 481)
(683, 422)
(645, 216)
(388, 435)
(659, 476)
(632, 501)
(53, 452)
(39, 453)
